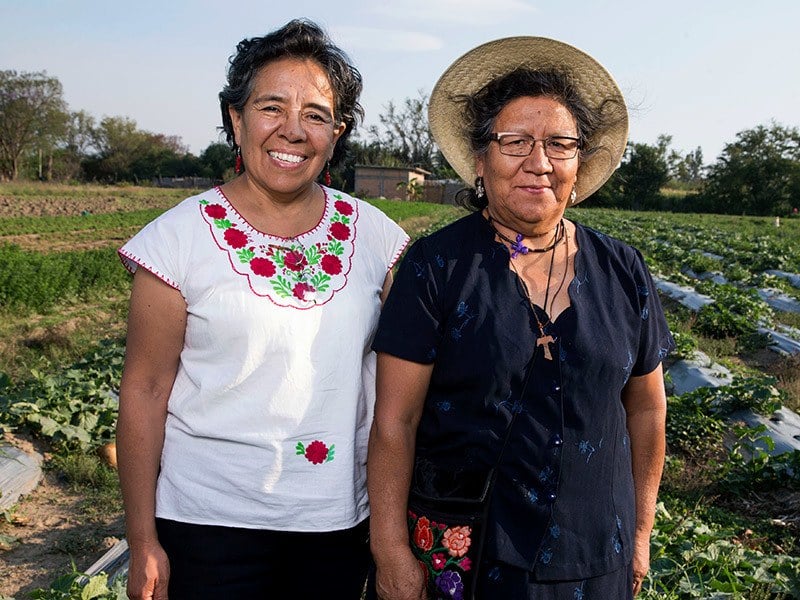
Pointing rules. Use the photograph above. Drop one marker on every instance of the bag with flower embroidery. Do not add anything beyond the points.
(446, 534)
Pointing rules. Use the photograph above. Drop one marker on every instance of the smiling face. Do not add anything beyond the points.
(529, 193)
(287, 130)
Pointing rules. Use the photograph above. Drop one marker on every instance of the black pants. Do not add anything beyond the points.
(228, 563)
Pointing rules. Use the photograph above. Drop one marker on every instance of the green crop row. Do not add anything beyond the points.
(35, 281)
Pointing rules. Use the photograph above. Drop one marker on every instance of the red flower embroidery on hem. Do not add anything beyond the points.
(262, 266)
(343, 207)
(216, 211)
(340, 231)
(331, 264)
(235, 238)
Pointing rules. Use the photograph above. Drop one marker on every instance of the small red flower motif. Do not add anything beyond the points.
(331, 264)
(465, 563)
(295, 261)
(301, 290)
(343, 207)
(262, 266)
(340, 231)
(216, 211)
(423, 536)
(235, 238)
(317, 452)
(439, 560)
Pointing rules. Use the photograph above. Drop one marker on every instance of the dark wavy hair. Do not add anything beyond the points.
(300, 39)
(481, 110)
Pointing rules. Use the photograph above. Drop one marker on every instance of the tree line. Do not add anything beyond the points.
(40, 138)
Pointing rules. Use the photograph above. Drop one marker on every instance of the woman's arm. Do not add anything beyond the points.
(156, 327)
(401, 389)
(646, 406)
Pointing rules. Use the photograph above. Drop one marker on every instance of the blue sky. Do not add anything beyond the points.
(698, 70)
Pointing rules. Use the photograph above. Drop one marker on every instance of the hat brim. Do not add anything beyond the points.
(468, 74)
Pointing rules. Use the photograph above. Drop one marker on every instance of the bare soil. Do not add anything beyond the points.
(50, 530)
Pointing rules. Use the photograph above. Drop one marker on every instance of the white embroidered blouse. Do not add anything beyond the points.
(271, 407)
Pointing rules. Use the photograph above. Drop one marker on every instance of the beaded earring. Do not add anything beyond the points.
(480, 191)
(239, 165)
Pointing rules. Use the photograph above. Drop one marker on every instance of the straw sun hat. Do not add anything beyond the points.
(479, 66)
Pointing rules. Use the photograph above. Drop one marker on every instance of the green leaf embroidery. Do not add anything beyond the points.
(320, 281)
(299, 448)
(278, 259)
(282, 287)
(330, 453)
(245, 255)
(313, 256)
(203, 202)
(222, 223)
(335, 247)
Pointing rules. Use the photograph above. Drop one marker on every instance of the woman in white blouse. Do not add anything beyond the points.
(248, 386)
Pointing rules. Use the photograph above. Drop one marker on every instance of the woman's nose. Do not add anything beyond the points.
(292, 126)
(537, 161)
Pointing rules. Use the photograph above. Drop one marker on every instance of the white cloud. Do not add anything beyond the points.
(374, 39)
(456, 12)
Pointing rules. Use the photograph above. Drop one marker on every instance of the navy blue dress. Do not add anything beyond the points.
(563, 506)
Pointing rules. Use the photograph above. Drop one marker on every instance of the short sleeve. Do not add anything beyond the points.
(411, 320)
(161, 245)
(655, 340)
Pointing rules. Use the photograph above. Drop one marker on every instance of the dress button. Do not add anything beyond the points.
(556, 388)
(550, 497)
(556, 441)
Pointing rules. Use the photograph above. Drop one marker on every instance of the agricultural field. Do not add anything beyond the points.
(728, 523)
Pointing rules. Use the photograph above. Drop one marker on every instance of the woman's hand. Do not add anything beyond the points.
(400, 577)
(148, 573)
(641, 561)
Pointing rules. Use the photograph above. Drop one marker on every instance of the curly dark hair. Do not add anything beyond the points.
(481, 110)
(302, 39)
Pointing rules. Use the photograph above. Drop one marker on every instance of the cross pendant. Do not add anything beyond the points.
(545, 342)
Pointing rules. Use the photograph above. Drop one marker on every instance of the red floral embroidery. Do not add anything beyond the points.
(216, 211)
(262, 266)
(331, 264)
(438, 560)
(235, 238)
(343, 207)
(295, 261)
(423, 536)
(316, 452)
(340, 231)
(457, 540)
(302, 272)
(301, 290)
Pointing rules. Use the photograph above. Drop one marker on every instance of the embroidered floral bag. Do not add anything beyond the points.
(447, 536)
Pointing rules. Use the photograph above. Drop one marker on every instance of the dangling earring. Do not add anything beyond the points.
(573, 195)
(327, 175)
(480, 191)
(238, 167)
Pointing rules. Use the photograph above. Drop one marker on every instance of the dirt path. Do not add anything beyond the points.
(46, 532)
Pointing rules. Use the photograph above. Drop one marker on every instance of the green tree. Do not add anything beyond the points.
(217, 160)
(33, 116)
(637, 183)
(758, 174)
(404, 138)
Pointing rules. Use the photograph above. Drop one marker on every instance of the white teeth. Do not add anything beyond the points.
(292, 158)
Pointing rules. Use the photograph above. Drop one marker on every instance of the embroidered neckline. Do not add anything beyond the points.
(301, 272)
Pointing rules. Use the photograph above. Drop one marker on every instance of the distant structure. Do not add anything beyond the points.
(403, 183)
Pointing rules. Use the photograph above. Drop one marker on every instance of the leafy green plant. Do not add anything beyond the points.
(693, 429)
(751, 466)
(691, 558)
(74, 409)
(77, 586)
(734, 312)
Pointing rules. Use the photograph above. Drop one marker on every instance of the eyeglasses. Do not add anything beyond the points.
(559, 147)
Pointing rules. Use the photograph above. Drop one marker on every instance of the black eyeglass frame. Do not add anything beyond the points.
(531, 143)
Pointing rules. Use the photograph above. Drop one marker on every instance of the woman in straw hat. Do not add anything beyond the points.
(520, 353)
